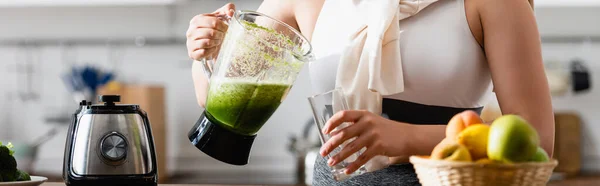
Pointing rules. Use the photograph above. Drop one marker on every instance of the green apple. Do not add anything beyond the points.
(540, 156)
(512, 139)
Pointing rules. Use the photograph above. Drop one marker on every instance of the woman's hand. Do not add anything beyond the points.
(380, 136)
(206, 32)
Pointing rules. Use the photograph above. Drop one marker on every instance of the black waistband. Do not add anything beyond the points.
(409, 112)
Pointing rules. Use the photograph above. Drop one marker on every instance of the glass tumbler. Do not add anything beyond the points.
(324, 106)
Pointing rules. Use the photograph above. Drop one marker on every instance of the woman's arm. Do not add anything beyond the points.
(513, 49)
(380, 136)
(386, 137)
(531, 3)
(514, 52)
(422, 139)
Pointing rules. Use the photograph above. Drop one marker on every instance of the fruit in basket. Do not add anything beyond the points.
(444, 142)
(461, 121)
(540, 156)
(451, 151)
(486, 161)
(512, 139)
(475, 138)
(440, 146)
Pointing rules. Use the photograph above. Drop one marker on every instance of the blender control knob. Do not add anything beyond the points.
(113, 147)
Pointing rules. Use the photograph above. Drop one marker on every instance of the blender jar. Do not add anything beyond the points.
(257, 64)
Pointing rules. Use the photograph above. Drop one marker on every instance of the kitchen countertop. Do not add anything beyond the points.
(579, 181)
(63, 184)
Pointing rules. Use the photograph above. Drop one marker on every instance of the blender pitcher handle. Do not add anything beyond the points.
(208, 62)
(207, 66)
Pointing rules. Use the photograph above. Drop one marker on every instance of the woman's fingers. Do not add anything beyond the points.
(227, 9)
(348, 150)
(206, 33)
(206, 43)
(361, 160)
(198, 49)
(202, 53)
(341, 117)
(340, 136)
(208, 21)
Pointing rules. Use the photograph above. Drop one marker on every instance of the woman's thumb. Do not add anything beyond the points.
(228, 9)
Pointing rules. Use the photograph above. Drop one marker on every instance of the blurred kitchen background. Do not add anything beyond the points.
(142, 44)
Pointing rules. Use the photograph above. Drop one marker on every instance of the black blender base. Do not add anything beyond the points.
(220, 143)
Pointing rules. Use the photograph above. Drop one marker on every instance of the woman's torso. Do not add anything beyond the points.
(443, 63)
(445, 72)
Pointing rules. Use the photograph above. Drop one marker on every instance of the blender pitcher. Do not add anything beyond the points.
(257, 64)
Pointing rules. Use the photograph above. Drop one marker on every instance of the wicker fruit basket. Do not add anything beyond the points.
(445, 173)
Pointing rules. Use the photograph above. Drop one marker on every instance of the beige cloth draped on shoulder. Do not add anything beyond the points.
(370, 65)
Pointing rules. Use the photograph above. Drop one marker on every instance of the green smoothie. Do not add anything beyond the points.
(242, 106)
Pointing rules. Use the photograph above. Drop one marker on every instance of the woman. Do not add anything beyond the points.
(451, 54)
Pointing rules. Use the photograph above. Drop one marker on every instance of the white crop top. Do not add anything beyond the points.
(442, 62)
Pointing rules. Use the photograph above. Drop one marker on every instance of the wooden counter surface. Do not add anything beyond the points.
(580, 181)
(63, 184)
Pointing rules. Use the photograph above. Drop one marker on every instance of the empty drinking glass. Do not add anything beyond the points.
(324, 106)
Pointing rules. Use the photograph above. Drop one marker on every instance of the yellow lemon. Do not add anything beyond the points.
(475, 138)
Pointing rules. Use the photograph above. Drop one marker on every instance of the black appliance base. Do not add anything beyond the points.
(220, 143)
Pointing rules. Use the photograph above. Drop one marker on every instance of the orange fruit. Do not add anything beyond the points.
(461, 121)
